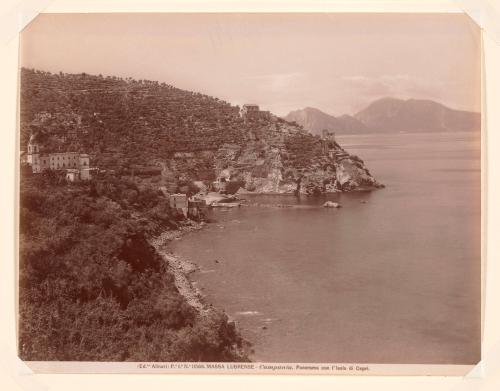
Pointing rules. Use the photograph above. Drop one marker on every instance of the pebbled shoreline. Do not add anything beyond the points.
(182, 268)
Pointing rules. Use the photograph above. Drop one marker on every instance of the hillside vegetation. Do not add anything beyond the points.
(145, 127)
(91, 287)
(122, 122)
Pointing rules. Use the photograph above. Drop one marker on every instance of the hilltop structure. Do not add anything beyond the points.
(328, 135)
(253, 112)
(328, 141)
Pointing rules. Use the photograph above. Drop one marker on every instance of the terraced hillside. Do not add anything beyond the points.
(144, 126)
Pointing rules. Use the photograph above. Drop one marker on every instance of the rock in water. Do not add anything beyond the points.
(331, 204)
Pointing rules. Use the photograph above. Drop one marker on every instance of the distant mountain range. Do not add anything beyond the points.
(390, 115)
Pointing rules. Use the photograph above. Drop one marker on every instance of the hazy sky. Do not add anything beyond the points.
(336, 62)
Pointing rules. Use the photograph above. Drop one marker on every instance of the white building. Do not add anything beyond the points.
(69, 161)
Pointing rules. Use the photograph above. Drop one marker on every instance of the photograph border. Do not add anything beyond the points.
(488, 96)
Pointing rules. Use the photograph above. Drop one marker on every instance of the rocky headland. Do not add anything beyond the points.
(173, 138)
(282, 158)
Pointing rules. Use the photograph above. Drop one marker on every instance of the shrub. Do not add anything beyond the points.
(92, 288)
(233, 186)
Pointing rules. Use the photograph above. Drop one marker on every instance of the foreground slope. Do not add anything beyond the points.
(92, 288)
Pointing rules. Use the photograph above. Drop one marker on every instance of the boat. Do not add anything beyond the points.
(225, 204)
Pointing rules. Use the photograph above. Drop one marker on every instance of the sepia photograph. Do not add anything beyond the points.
(252, 192)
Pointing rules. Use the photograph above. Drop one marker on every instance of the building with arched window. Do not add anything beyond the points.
(253, 112)
(76, 164)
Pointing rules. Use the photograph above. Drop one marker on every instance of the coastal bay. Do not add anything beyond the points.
(172, 212)
(393, 276)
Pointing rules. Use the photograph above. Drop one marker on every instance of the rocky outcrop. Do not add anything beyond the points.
(353, 175)
(284, 159)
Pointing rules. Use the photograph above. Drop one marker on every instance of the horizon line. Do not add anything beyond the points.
(125, 78)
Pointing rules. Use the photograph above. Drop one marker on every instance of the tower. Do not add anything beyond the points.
(33, 149)
(328, 135)
(249, 111)
(33, 157)
(84, 166)
(83, 161)
(327, 140)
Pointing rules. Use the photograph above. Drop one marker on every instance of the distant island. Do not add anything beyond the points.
(390, 115)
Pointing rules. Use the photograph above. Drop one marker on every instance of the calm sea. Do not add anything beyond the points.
(391, 277)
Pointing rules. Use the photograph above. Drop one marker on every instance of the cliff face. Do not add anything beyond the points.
(281, 158)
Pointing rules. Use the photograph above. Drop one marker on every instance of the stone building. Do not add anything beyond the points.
(220, 184)
(33, 149)
(180, 202)
(59, 161)
(72, 175)
(197, 208)
(253, 112)
(328, 135)
(328, 141)
(249, 111)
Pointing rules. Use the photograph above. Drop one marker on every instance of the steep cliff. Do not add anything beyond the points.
(281, 158)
